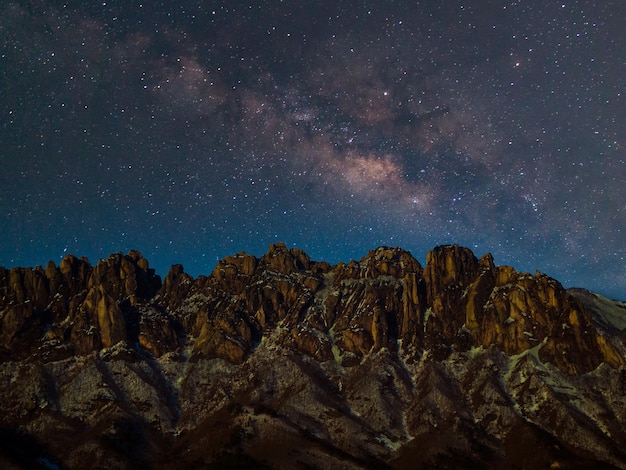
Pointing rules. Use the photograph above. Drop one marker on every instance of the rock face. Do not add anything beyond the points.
(375, 363)
(75, 308)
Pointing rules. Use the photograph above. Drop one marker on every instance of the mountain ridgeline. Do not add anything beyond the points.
(281, 361)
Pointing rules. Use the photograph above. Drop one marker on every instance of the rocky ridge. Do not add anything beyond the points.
(372, 363)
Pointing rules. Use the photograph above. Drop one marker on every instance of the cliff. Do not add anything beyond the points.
(375, 363)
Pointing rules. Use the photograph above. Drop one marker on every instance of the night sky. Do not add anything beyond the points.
(194, 130)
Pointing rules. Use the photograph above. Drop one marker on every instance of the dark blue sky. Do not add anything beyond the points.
(195, 130)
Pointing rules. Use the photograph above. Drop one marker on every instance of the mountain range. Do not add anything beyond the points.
(285, 362)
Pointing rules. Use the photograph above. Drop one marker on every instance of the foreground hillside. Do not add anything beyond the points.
(284, 362)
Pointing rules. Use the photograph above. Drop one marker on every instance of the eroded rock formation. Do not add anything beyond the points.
(385, 300)
(423, 327)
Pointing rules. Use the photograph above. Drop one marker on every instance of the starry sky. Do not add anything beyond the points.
(194, 130)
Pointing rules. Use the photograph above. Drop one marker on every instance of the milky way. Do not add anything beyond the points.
(191, 132)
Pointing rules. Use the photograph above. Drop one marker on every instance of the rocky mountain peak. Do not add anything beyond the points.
(283, 260)
(384, 308)
(385, 300)
(449, 264)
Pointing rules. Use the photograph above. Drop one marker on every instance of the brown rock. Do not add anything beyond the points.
(449, 271)
(28, 285)
(383, 261)
(158, 332)
(449, 265)
(367, 316)
(528, 311)
(282, 260)
(357, 341)
(24, 313)
(385, 300)
(109, 321)
(125, 276)
(410, 320)
(74, 272)
(225, 336)
(176, 287)
(230, 267)
(311, 342)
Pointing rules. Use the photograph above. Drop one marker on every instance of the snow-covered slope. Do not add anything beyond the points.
(281, 362)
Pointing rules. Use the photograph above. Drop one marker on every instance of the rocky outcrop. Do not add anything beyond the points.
(343, 312)
(75, 308)
(25, 295)
(374, 362)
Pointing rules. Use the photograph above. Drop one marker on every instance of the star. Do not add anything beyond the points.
(192, 133)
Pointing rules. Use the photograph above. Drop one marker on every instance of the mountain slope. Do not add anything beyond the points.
(281, 361)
